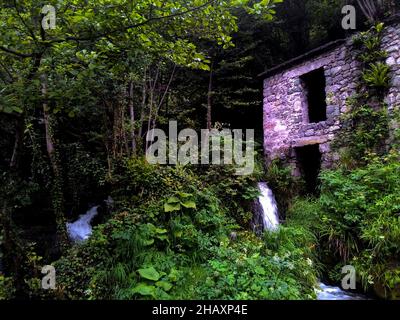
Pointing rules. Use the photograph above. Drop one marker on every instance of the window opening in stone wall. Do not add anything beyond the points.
(309, 162)
(314, 84)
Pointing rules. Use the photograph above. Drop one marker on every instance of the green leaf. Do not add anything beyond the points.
(173, 200)
(178, 234)
(169, 207)
(149, 273)
(148, 242)
(161, 231)
(184, 195)
(173, 275)
(189, 204)
(17, 109)
(144, 289)
(162, 295)
(166, 286)
(259, 270)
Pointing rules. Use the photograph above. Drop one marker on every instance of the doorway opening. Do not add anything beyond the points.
(314, 84)
(309, 163)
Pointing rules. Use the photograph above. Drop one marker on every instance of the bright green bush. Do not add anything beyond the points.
(249, 269)
(171, 238)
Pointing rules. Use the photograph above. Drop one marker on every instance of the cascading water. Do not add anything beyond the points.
(335, 293)
(267, 216)
(269, 213)
(81, 229)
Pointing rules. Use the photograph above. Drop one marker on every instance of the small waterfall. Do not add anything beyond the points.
(326, 292)
(267, 208)
(266, 217)
(81, 229)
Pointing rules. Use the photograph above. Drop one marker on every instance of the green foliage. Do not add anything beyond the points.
(377, 75)
(6, 288)
(148, 252)
(366, 124)
(369, 44)
(179, 201)
(154, 287)
(250, 269)
(357, 220)
(366, 130)
(167, 237)
(283, 183)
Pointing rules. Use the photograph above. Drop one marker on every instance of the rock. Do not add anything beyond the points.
(390, 61)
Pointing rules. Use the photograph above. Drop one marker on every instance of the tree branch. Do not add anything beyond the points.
(19, 54)
(137, 25)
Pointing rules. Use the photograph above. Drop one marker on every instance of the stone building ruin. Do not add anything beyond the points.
(304, 98)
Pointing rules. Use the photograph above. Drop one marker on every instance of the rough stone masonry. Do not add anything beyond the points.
(288, 124)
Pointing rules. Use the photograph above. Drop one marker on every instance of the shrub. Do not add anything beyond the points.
(172, 242)
(249, 269)
(357, 220)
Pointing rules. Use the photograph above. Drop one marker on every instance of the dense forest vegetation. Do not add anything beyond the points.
(76, 103)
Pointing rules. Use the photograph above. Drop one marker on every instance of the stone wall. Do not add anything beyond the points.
(391, 44)
(286, 124)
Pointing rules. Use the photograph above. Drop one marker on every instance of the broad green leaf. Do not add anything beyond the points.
(189, 204)
(161, 231)
(178, 234)
(184, 195)
(149, 273)
(144, 289)
(169, 207)
(166, 286)
(173, 200)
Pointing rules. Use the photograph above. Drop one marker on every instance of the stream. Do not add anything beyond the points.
(335, 293)
(270, 218)
(81, 230)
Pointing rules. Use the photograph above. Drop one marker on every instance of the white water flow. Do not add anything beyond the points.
(81, 229)
(269, 207)
(326, 292)
(270, 217)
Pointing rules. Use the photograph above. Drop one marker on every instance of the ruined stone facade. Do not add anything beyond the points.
(287, 125)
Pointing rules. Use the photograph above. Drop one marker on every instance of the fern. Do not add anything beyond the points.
(377, 75)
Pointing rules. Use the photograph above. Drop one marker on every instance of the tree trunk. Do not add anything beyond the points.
(132, 115)
(19, 132)
(57, 192)
(162, 100)
(151, 105)
(209, 98)
(144, 95)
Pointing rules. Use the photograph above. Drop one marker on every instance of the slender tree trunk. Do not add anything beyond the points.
(132, 115)
(144, 95)
(19, 131)
(209, 97)
(151, 103)
(163, 99)
(57, 192)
